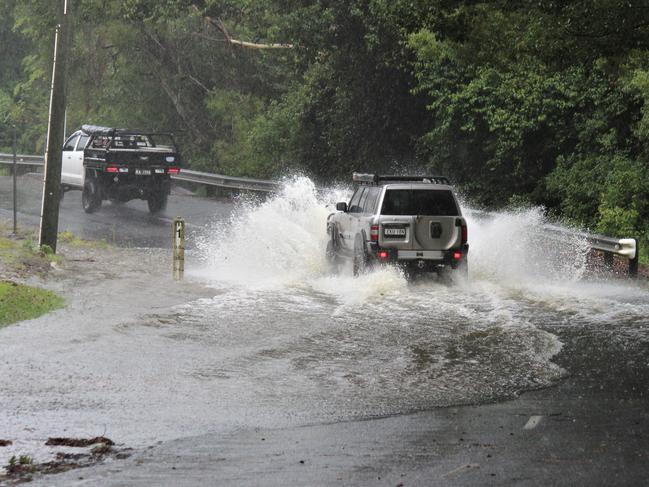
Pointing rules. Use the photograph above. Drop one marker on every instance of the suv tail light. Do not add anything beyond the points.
(459, 222)
(173, 170)
(374, 233)
(111, 169)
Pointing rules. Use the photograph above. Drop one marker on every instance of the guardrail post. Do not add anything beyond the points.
(179, 248)
(633, 263)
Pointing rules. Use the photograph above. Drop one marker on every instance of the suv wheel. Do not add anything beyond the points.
(462, 270)
(332, 256)
(458, 275)
(359, 262)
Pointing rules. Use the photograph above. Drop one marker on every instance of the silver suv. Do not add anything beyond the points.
(412, 221)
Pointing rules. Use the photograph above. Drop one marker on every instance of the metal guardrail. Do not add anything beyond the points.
(209, 179)
(226, 181)
(22, 159)
(627, 248)
(624, 247)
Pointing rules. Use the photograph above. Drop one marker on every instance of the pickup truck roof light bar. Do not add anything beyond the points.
(363, 178)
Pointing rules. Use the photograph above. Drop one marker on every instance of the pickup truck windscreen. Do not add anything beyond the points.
(437, 202)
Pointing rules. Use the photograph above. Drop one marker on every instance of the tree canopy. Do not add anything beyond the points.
(526, 101)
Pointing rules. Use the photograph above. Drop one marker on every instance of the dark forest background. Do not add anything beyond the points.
(519, 102)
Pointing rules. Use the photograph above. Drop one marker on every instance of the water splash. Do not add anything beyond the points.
(517, 247)
(379, 342)
(276, 242)
(282, 241)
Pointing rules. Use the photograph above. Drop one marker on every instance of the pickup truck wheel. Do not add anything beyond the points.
(157, 202)
(90, 197)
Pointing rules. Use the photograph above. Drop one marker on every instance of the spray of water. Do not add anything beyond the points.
(388, 344)
(274, 242)
(281, 241)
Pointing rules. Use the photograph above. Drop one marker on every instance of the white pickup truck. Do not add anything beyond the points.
(119, 165)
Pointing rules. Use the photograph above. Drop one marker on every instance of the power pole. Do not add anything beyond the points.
(15, 175)
(55, 134)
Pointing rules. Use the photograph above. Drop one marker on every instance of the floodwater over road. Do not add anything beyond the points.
(330, 346)
(262, 334)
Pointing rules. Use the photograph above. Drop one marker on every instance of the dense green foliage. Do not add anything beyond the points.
(516, 100)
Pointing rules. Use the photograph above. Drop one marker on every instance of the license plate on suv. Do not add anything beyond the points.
(143, 172)
(394, 232)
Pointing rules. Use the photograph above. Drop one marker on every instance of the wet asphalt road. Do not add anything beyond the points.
(126, 225)
(588, 429)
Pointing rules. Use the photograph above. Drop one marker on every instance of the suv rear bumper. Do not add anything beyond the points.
(422, 259)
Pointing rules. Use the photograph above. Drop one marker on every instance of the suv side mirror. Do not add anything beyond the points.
(342, 206)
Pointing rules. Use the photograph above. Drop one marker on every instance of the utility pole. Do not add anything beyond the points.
(15, 175)
(55, 134)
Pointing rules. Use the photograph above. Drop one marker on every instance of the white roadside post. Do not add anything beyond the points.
(179, 248)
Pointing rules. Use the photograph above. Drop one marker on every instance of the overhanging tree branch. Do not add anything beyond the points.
(168, 73)
(218, 23)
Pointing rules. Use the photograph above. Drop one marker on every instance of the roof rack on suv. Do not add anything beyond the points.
(376, 179)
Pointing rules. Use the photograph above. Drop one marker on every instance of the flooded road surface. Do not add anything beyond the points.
(263, 337)
(381, 345)
(122, 224)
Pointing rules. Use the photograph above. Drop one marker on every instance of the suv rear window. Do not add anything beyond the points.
(439, 202)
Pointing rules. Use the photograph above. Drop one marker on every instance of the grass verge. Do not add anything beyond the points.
(19, 302)
(20, 257)
(73, 240)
